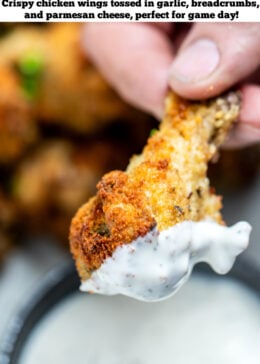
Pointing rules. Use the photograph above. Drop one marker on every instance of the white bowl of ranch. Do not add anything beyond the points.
(211, 319)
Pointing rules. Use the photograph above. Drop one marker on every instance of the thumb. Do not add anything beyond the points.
(214, 57)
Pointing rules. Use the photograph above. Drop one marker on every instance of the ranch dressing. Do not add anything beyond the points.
(153, 267)
(211, 319)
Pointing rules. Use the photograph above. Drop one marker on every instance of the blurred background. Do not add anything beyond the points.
(61, 128)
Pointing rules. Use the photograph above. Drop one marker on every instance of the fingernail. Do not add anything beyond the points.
(196, 62)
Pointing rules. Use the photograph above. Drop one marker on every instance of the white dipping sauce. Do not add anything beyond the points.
(153, 267)
(212, 320)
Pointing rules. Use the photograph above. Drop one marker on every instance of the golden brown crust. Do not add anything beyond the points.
(100, 227)
(164, 185)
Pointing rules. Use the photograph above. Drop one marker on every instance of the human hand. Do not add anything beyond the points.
(142, 60)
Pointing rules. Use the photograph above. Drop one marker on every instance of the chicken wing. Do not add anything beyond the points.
(162, 187)
(62, 85)
(55, 178)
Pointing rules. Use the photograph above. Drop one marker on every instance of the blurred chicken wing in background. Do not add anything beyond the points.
(61, 128)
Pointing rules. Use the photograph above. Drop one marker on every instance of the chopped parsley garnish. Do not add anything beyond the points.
(30, 68)
(153, 131)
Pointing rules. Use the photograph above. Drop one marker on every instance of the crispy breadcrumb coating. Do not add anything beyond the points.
(163, 186)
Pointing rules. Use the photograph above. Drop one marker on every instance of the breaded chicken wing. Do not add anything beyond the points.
(165, 185)
(62, 85)
(58, 176)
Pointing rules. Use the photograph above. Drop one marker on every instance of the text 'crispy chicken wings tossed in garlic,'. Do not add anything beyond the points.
(145, 229)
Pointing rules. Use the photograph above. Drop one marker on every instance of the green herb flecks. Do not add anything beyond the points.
(30, 68)
(153, 131)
